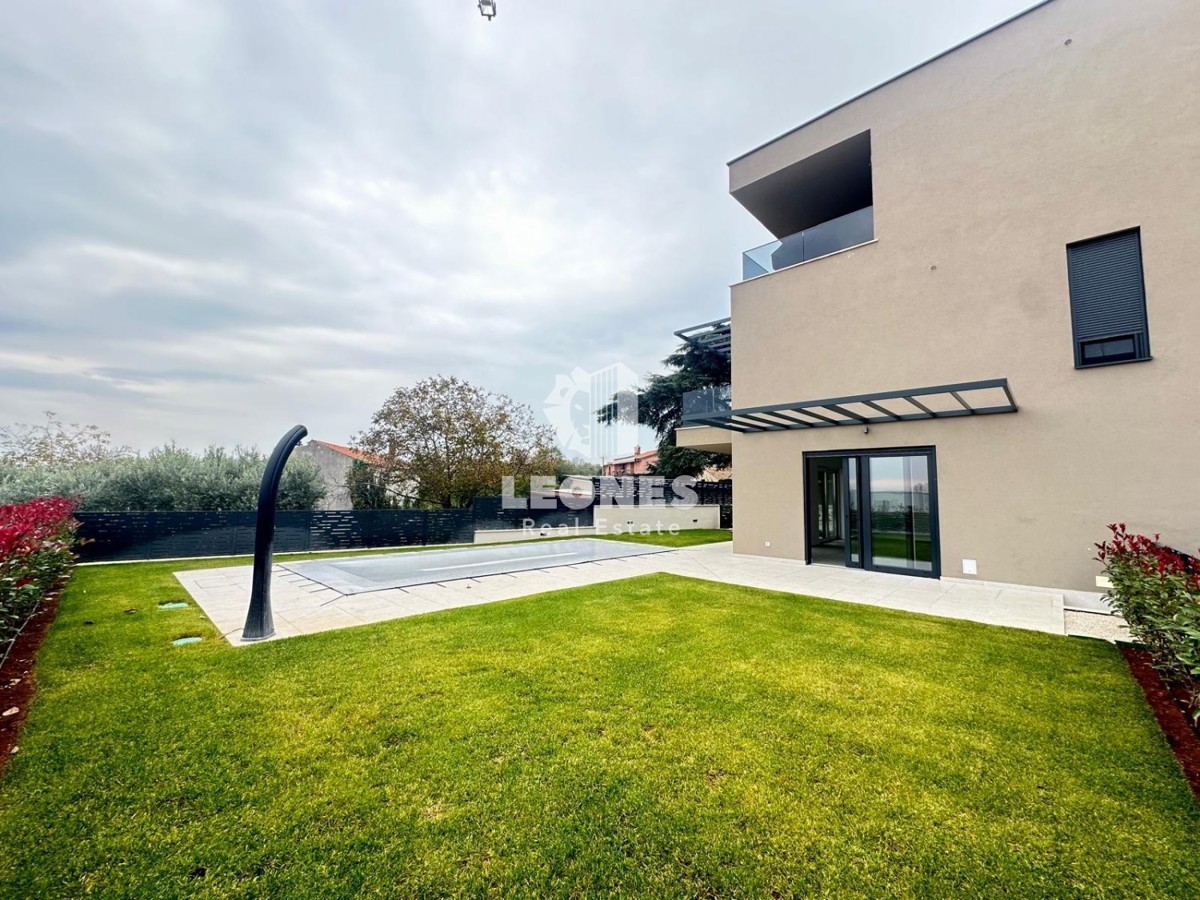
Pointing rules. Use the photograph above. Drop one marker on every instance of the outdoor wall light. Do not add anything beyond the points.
(487, 9)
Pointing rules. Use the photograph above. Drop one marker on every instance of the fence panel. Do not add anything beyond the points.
(449, 526)
(632, 487)
(490, 515)
(162, 535)
(111, 536)
(339, 529)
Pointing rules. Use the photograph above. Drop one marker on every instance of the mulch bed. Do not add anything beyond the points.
(17, 682)
(1169, 711)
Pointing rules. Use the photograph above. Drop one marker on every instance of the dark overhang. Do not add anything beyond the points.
(715, 335)
(944, 401)
(829, 184)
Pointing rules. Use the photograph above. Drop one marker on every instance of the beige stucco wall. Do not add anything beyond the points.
(986, 163)
(704, 437)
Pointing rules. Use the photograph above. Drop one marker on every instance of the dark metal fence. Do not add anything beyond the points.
(726, 515)
(491, 515)
(638, 489)
(166, 535)
(113, 536)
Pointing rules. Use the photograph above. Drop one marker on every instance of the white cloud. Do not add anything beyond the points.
(219, 218)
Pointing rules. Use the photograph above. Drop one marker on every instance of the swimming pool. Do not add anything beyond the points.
(363, 574)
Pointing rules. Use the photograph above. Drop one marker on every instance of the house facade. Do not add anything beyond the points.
(975, 339)
(639, 463)
(334, 462)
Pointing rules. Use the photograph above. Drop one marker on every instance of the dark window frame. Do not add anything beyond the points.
(1141, 339)
(1135, 354)
(864, 544)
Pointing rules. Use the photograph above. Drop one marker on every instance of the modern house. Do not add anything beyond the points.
(975, 339)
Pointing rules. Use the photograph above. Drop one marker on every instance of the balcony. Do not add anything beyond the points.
(697, 405)
(841, 233)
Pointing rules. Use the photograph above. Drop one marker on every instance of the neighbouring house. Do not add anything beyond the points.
(639, 463)
(334, 461)
(973, 340)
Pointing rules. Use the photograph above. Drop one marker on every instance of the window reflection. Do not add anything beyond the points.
(901, 525)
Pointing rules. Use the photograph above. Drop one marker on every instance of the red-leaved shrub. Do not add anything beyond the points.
(35, 552)
(1157, 590)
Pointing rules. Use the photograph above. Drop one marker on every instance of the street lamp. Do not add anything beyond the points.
(487, 9)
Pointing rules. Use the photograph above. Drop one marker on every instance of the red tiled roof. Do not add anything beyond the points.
(350, 452)
(639, 457)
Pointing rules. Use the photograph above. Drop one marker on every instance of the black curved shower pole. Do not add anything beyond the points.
(259, 623)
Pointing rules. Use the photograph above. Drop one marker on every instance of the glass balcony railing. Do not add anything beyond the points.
(706, 401)
(837, 234)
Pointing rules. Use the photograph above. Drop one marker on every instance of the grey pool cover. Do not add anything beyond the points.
(362, 574)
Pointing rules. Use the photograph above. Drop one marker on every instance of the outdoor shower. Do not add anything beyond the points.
(259, 623)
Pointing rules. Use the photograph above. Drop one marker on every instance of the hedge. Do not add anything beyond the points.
(35, 552)
(1157, 590)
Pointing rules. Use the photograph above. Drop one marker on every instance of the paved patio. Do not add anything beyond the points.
(302, 606)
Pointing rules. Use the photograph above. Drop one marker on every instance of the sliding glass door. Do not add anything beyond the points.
(900, 514)
(876, 510)
(833, 513)
(826, 510)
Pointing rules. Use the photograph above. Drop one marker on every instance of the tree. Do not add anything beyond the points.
(569, 465)
(53, 444)
(368, 488)
(447, 441)
(660, 407)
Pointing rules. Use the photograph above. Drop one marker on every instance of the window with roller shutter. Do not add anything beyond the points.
(1108, 300)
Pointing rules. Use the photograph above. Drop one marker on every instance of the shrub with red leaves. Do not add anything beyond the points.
(1157, 590)
(35, 552)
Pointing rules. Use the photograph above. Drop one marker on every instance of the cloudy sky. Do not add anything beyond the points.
(222, 217)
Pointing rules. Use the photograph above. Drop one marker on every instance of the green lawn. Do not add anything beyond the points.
(690, 538)
(657, 736)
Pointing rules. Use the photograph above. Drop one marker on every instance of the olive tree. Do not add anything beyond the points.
(56, 444)
(166, 478)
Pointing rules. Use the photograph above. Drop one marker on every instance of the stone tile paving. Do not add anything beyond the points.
(301, 606)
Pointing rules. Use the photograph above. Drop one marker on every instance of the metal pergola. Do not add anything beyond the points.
(943, 401)
(715, 335)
